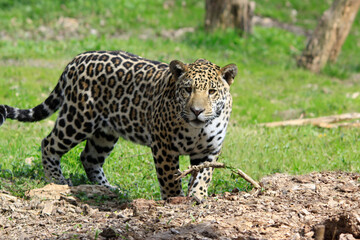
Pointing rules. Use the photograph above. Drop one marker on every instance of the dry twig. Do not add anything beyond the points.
(248, 179)
(196, 168)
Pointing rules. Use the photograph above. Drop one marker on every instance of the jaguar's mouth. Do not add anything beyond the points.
(197, 123)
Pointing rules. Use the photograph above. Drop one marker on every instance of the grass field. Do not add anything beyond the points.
(36, 44)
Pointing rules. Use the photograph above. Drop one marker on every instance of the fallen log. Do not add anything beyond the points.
(320, 121)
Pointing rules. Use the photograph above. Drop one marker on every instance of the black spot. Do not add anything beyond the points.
(69, 117)
(52, 150)
(111, 81)
(174, 148)
(160, 171)
(101, 159)
(90, 69)
(81, 69)
(39, 113)
(155, 150)
(67, 141)
(70, 131)
(102, 79)
(127, 64)
(62, 123)
(160, 159)
(129, 130)
(94, 57)
(128, 78)
(87, 115)
(198, 161)
(104, 57)
(80, 117)
(133, 114)
(72, 110)
(120, 74)
(161, 182)
(166, 167)
(45, 142)
(91, 160)
(88, 127)
(61, 135)
(116, 61)
(210, 139)
(99, 68)
(109, 69)
(80, 136)
(138, 66)
(141, 138)
(62, 146)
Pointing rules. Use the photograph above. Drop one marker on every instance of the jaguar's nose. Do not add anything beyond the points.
(197, 111)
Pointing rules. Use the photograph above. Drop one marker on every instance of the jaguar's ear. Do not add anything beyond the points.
(229, 72)
(177, 68)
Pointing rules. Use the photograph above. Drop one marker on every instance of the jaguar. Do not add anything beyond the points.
(175, 109)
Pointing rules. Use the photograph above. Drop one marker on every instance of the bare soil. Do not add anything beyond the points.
(318, 205)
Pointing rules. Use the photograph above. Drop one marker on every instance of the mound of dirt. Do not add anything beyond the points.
(318, 205)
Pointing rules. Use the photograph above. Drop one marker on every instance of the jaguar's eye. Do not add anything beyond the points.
(212, 91)
(188, 89)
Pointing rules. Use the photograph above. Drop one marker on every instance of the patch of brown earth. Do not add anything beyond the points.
(292, 207)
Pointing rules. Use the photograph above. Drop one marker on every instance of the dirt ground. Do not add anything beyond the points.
(314, 206)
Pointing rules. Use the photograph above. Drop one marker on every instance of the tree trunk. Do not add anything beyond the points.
(229, 14)
(326, 42)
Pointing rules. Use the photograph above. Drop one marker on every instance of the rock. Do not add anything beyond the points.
(108, 233)
(346, 236)
(48, 208)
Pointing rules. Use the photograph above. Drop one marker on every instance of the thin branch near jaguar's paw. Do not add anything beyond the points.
(197, 168)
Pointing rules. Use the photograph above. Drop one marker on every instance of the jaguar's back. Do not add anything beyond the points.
(112, 90)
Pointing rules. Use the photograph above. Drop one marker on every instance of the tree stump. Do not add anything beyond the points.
(326, 42)
(229, 14)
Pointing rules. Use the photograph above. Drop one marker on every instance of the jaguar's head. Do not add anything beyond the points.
(202, 90)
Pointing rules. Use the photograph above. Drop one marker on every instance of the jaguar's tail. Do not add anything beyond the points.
(40, 112)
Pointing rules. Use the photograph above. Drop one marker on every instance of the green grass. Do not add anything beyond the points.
(268, 84)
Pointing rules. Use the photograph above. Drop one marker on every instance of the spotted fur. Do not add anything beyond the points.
(176, 109)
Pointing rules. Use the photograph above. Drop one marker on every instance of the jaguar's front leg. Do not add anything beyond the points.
(167, 166)
(199, 181)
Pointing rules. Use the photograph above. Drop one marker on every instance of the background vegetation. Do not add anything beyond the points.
(38, 38)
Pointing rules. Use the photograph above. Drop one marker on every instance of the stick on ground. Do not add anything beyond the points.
(197, 168)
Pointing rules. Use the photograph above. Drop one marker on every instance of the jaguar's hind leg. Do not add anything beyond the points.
(54, 146)
(97, 148)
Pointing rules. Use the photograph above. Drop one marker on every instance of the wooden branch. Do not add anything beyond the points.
(248, 179)
(320, 121)
(337, 125)
(196, 168)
